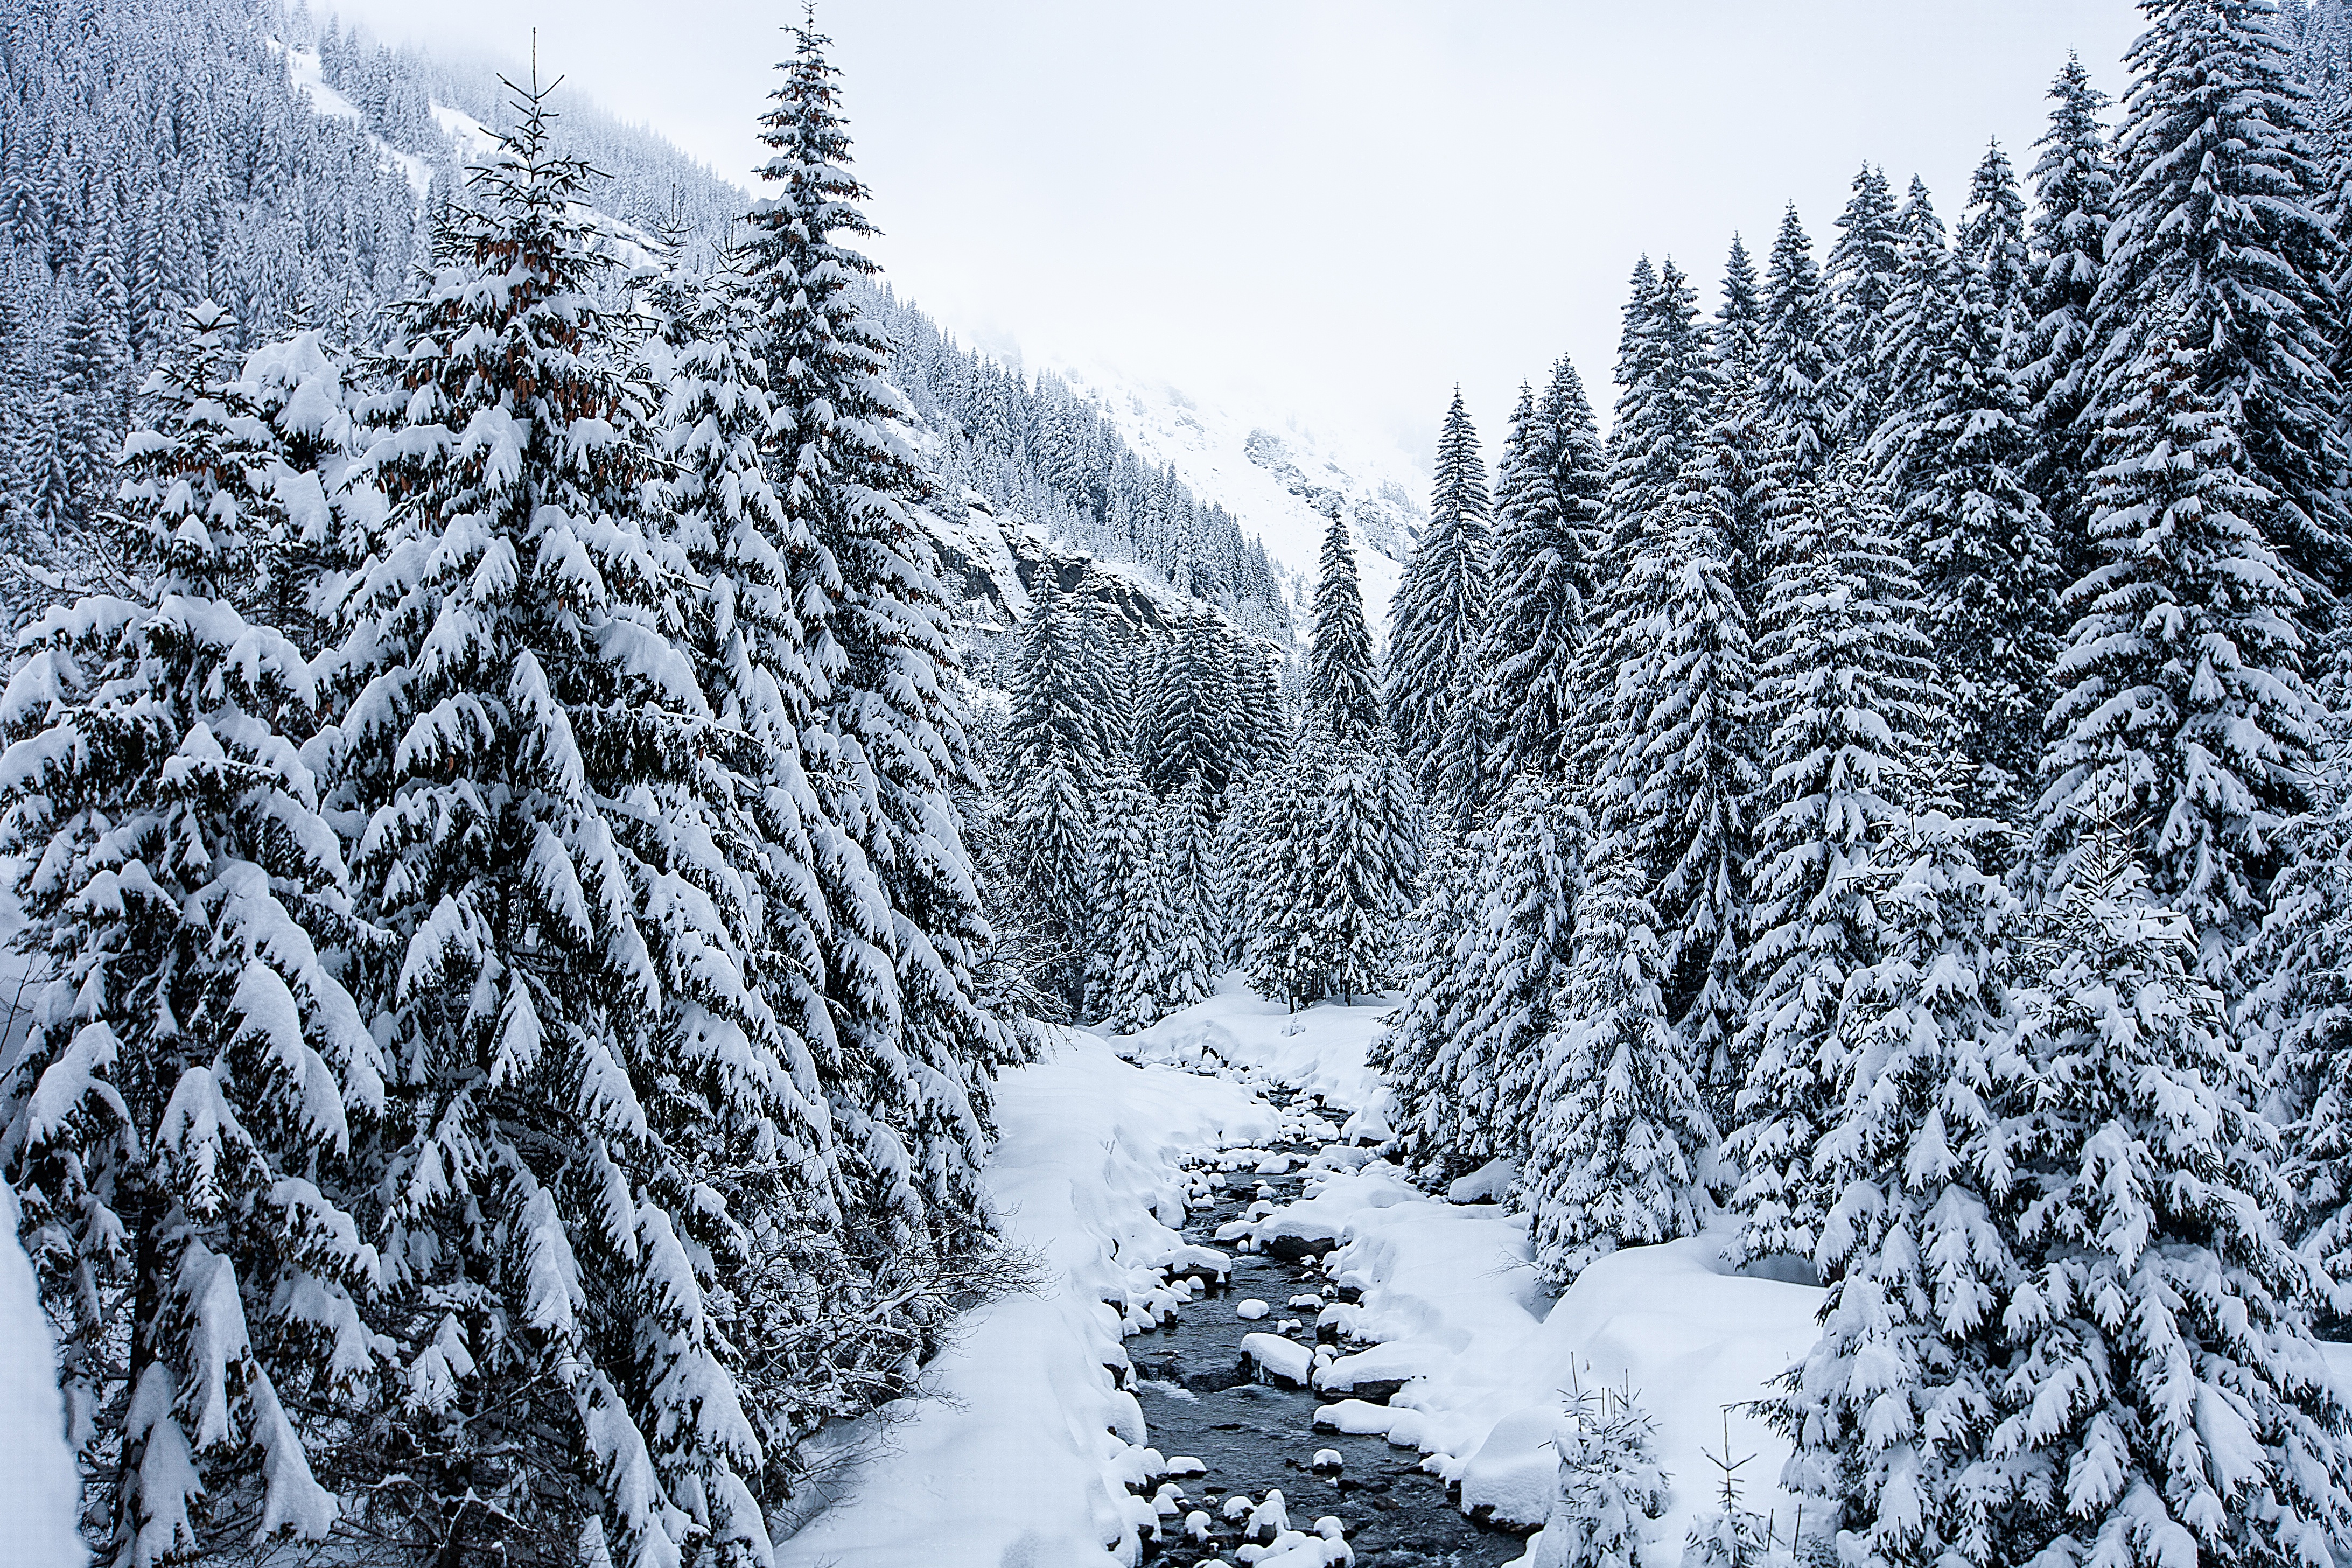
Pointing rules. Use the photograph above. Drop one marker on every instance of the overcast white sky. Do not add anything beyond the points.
(1329, 209)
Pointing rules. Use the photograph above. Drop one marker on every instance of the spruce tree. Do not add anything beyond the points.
(2075, 190)
(1848, 695)
(1515, 951)
(1683, 732)
(1665, 383)
(1621, 1130)
(1978, 533)
(1342, 686)
(2160, 1396)
(1738, 340)
(584, 1069)
(1796, 367)
(1912, 346)
(1438, 973)
(1612, 1489)
(1061, 688)
(2181, 698)
(1366, 857)
(1284, 950)
(1863, 266)
(1546, 535)
(179, 1122)
(1887, 1412)
(1435, 624)
(919, 1052)
(1182, 921)
(1124, 816)
(2218, 245)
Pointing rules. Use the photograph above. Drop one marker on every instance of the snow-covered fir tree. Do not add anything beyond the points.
(178, 1123)
(1124, 814)
(1547, 517)
(1514, 954)
(578, 1052)
(1612, 1488)
(2299, 1010)
(1182, 917)
(1366, 857)
(2218, 243)
(1435, 625)
(1620, 1129)
(2160, 1397)
(1664, 381)
(1795, 369)
(1847, 693)
(2181, 700)
(1888, 1411)
(1438, 966)
(919, 1052)
(1682, 740)
(1342, 684)
(1283, 947)
(1976, 532)
(2074, 193)
(1736, 340)
(1863, 265)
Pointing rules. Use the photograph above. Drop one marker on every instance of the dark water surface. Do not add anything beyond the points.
(1254, 1436)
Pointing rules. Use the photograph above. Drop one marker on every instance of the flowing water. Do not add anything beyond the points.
(1202, 1403)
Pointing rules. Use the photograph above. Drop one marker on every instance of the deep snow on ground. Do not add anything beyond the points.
(1021, 1449)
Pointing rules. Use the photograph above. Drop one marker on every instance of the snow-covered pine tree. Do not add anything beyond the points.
(1124, 816)
(310, 526)
(1547, 529)
(905, 926)
(1887, 1412)
(1342, 684)
(1863, 265)
(1435, 624)
(1183, 922)
(2161, 1399)
(2218, 243)
(1064, 697)
(1912, 346)
(2299, 1016)
(1437, 973)
(1060, 730)
(1684, 735)
(1193, 724)
(1620, 1132)
(1280, 944)
(1612, 1489)
(1847, 693)
(1666, 382)
(1795, 367)
(1367, 856)
(2181, 696)
(1736, 340)
(582, 1064)
(2075, 190)
(1976, 532)
(178, 1121)
(1992, 233)
(1514, 954)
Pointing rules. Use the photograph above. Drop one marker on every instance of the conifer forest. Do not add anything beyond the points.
(661, 916)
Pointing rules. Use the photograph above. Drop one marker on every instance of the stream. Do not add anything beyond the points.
(1202, 1400)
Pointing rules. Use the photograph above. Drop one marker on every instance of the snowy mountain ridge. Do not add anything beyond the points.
(1277, 476)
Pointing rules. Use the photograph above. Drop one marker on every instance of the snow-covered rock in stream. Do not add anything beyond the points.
(1279, 1360)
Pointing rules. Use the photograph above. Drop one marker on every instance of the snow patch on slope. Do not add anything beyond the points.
(1277, 476)
(302, 66)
